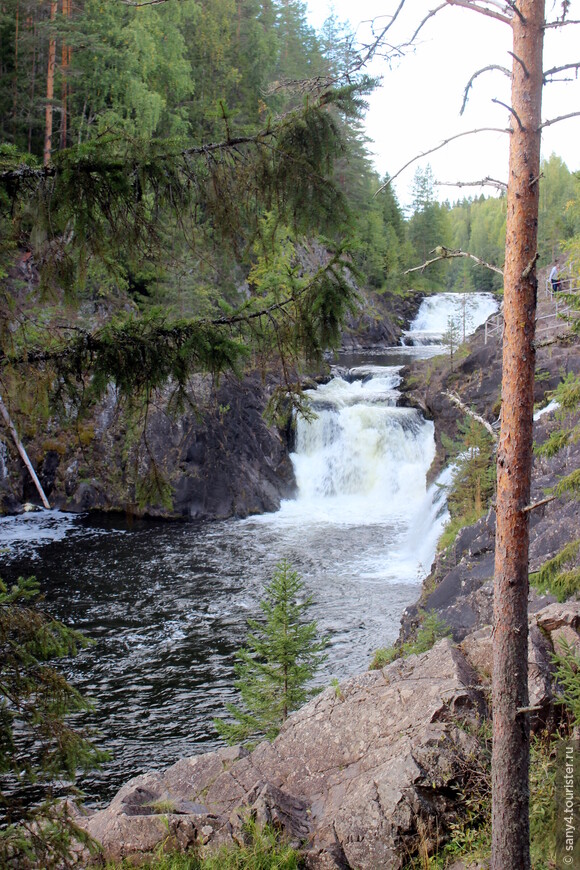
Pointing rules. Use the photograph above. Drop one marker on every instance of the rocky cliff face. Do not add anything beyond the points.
(460, 587)
(214, 457)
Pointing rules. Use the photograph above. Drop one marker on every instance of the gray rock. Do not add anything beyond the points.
(354, 774)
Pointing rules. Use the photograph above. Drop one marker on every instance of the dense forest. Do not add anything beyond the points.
(132, 83)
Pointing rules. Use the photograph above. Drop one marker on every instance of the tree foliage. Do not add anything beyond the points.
(273, 670)
(38, 740)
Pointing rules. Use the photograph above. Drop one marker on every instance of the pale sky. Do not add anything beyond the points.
(418, 105)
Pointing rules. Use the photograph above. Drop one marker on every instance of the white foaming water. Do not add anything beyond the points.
(361, 466)
(466, 310)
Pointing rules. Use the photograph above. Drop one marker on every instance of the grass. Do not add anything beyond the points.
(263, 849)
(431, 630)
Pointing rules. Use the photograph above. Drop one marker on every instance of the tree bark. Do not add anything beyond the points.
(66, 55)
(510, 759)
(50, 88)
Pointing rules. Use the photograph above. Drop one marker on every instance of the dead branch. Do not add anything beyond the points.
(438, 148)
(560, 118)
(559, 69)
(537, 504)
(490, 13)
(479, 72)
(550, 24)
(443, 253)
(481, 420)
(521, 63)
(485, 182)
(510, 110)
(426, 19)
(137, 4)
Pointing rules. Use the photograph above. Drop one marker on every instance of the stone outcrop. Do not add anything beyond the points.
(217, 457)
(356, 777)
(360, 777)
(460, 588)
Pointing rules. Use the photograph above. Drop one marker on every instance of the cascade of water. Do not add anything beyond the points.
(467, 311)
(361, 466)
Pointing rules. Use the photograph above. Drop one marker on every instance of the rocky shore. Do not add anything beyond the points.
(361, 777)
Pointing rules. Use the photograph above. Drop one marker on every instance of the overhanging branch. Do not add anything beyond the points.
(485, 182)
(479, 72)
(443, 253)
(438, 148)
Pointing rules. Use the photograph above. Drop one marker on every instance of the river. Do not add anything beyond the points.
(166, 604)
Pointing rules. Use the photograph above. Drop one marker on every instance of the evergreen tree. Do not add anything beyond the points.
(38, 742)
(428, 226)
(281, 656)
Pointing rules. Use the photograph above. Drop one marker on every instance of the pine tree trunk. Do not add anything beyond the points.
(66, 54)
(50, 88)
(510, 760)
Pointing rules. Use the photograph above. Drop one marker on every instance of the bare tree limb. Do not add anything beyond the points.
(479, 72)
(559, 69)
(490, 13)
(485, 182)
(137, 4)
(426, 19)
(521, 63)
(443, 253)
(510, 110)
(556, 120)
(551, 24)
(481, 420)
(438, 147)
(537, 504)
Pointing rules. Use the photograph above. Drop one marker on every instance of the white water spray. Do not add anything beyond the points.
(467, 311)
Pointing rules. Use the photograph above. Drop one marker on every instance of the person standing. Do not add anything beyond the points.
(555, 278)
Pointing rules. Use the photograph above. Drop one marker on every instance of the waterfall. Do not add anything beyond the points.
(361, 465)
(466, 310)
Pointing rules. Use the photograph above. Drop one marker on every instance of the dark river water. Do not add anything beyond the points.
(166, 604)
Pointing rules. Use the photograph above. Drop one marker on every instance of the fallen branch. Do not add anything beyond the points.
(463, 407)
(23, 454)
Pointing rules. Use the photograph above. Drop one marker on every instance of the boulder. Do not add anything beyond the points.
(359, 774)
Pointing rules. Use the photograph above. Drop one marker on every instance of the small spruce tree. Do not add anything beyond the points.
(273, 669)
